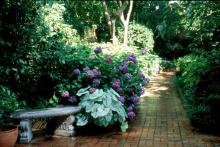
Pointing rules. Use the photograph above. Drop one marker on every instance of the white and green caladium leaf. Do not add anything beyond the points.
(97, 94)
(101, 122)
(82, 120)
(124, 126)
(86, 104)
(107, 101)
(83, 91)
(102, 107)
(109, 116)
(100, 111)
(114, 92)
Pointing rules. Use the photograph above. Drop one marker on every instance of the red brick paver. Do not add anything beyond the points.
(161, 122)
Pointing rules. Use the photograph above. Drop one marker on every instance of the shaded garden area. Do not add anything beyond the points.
(101, 55)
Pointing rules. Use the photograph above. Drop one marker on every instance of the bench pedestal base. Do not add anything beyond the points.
(62, 126)
(66, 128)
(25, 133)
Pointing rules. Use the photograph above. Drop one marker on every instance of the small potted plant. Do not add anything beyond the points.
(8, 104)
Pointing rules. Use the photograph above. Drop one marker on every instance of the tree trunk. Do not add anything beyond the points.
(111, 18)
(126, 33)
(125, 21)
(114, 38)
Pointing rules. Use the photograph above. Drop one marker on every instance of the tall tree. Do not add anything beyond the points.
(125, 20)
(111, 17)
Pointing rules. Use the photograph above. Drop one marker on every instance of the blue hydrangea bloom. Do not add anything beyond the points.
(128, 76)
(132, 58)
(76, 72)
(98, 50)
(96, 82)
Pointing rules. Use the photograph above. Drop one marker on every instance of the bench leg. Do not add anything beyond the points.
(66, 128)
(25, 131)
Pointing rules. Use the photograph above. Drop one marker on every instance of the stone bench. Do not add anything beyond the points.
(64, 127)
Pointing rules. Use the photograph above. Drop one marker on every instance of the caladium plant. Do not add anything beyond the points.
(101, 107)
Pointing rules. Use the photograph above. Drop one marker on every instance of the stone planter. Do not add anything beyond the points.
(8, 135)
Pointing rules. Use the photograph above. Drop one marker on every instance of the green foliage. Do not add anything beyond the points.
(22, 35)
(192, 69)
(33, 43)
(53, 18)
(108, 71)
(167, 65)
(139, 35)
(84, 19)
(167, 22)
(106, 108)
(150, 64)
(201, 117)
(8, 104)
(199, 79)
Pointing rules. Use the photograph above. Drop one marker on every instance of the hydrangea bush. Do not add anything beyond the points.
(101, 71)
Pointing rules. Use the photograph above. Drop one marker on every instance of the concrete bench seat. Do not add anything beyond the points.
(64, 127)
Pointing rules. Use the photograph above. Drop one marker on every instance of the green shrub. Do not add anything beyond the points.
(31, 44)
(191, 70)
(98, 70)
(139, 35)
(8, 104)
(150, 64)
(201, 117)
(198, 75)
(167, 65)
(101, 71)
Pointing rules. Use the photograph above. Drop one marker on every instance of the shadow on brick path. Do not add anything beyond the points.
(161, 121)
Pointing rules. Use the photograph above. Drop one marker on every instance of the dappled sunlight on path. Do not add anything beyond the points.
(161, 121)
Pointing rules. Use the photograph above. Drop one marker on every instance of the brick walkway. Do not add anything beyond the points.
(161, 122)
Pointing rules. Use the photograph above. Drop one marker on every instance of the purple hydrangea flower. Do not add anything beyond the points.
(128, 76)
(119, 90)
(72, 99)
(96, 82)
(76, 72)
(98, 50)
(134, 99)
(108, 59)
(131, 115)
(132, 58)
(96, 73)
(90, 74)
(145, 80)
(86, 69)
(123, 67)
(142, 90)
(140, 74)
(92, 90)
(121, 99)
(65, 94)
(116, 83)
(130, 109)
